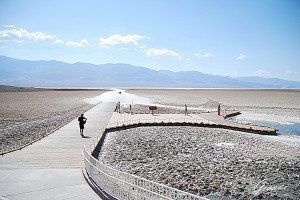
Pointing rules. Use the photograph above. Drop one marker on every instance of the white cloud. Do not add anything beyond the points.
(162, 53)
(242, 56)
(232, 74)
(290, 72)
(118, 39)
(263, 73)
(81, 43)
(207, 55)
(13, 33)
(9, 26)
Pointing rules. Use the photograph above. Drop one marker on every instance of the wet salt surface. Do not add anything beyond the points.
(286, 125)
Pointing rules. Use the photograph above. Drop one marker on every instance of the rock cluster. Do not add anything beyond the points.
(216, 163)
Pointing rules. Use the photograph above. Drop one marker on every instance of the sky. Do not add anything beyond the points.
(231, 38)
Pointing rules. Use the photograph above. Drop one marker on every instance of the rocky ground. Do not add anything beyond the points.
(27, 116)
(216, 163)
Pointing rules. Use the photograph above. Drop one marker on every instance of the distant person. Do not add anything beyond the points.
(185, 110)
(130, 108)
(119, 107)
(219, 109)
(82, 121)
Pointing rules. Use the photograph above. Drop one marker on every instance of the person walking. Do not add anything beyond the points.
(119, 107)
(82, 121)
(219, 109)
(185, 110)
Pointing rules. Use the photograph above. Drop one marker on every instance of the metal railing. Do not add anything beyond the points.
(127, 186)
(122, 185)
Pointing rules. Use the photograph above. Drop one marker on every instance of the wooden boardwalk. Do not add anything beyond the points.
(51, 167)
(204, 119)
(63, 148)
(230, 113)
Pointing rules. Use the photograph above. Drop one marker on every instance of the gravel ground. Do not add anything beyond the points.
(216, 163)
(27, 116)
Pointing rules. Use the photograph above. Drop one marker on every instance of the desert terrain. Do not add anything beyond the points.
(278, 108)
(27, 115)
(211, 162)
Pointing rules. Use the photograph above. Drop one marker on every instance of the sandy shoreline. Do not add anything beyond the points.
(27, 116)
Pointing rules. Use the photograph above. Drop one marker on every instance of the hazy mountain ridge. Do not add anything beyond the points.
(60, 74)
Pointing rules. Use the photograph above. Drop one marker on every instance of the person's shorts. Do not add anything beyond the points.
(81, 126)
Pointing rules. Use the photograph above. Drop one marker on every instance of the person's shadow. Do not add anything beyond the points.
(85, 136)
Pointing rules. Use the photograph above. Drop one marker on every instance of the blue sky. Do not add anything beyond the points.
(233, 38)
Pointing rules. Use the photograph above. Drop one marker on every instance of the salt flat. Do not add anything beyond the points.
(28, 116)
(51, 168)
(278, 108)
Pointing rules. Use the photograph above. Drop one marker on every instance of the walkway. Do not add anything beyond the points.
(211, 118)
(51, 168)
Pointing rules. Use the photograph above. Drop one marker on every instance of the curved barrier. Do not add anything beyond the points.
(121, 185)
(263, 130)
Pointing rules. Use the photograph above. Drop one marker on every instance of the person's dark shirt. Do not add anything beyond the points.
(81, 120)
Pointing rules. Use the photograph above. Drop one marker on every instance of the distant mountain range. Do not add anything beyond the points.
(59, 74)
